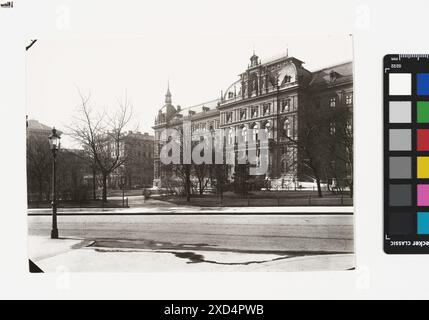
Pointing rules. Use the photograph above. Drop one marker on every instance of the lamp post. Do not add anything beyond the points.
(54, 143)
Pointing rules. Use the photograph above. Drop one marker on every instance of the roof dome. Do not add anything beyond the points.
(232, 91)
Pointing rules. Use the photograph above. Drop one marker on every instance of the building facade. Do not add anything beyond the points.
(71, 168)
(307, 116)
(137, 171)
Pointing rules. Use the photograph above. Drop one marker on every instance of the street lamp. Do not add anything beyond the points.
(54, 143)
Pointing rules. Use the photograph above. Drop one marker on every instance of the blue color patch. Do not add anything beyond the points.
(422, 84)
(422, 222)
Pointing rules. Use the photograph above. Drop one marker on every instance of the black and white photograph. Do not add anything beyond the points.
(190, 153)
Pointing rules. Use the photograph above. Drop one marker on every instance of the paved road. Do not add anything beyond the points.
(309, 234)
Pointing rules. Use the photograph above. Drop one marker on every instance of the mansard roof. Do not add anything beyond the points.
(37, 126)
(332, 75)
(201, 110)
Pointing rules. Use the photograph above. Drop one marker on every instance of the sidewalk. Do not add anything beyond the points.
(76, 256)
(40, 248)
(162, 207)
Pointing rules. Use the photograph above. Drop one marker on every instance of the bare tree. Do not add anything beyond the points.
(102, 136)
(341, 146)
(313, 142)
(72, 168)
(219, 177)
(182, 171)
(202, 173)
(39, 162)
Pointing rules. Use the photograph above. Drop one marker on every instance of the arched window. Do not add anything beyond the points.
(286, 128)
(267, 128)
(255, 132)
(231, 136)
(244, 133)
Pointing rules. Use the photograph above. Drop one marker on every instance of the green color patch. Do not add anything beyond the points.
(423, 112)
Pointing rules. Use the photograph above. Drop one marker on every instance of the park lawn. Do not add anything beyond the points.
(263, 199)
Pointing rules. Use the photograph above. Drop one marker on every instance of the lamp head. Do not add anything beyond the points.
(54, 140)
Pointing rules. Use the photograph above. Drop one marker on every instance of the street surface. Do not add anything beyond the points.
(203, 242)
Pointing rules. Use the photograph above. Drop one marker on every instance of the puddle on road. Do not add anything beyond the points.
(148, 244)
(198, 258)
(193, 257)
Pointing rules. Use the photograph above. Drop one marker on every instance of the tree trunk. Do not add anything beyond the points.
(201, 187)
(40, 193)
(104, 198)
(317, 177)
(319, 188)
(94, 182)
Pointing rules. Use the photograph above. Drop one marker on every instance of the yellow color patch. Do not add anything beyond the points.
(422, 167)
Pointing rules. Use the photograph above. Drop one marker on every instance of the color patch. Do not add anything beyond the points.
(422, 139)
(400, 111)
(422, 167)
(400, 195)
(423, 195)
(422, 111)
(400, 167)
(423, 222)
(400, 84)
(401, 223)
(400, 139)
(423, 84)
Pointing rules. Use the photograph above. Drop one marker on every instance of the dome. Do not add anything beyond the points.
(233, 90)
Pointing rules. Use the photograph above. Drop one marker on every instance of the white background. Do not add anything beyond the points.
(378, 30)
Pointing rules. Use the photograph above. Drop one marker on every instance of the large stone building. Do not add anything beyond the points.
(288, 102)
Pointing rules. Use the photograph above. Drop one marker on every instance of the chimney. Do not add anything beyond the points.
(179, 108)
(205, 109)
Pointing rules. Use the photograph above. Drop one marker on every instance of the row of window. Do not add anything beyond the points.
(333, 126)
(205, 126)
(348, 100)
(245, 135)
(287, 105)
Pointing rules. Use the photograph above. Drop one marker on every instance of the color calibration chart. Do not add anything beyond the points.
(406, 154)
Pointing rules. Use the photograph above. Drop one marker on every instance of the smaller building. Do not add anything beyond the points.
(71, 168)
(139, 148)
(37, 129)
(39, 161)
(137, 170)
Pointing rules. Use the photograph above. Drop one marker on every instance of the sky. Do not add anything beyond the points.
(196, 67)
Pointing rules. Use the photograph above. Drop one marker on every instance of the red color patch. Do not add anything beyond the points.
(422, 139)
